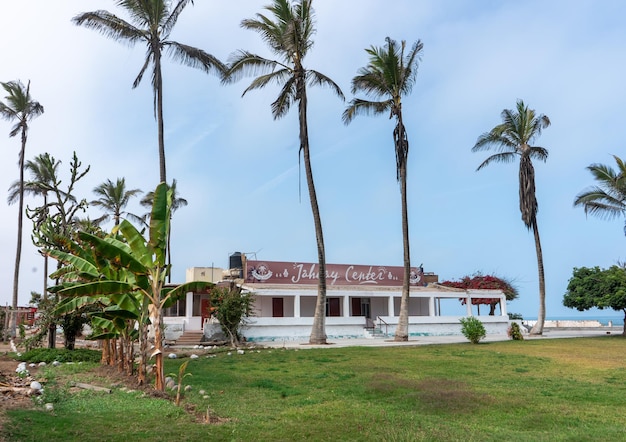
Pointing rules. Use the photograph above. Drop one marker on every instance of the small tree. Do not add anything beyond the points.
(473, 329)
(596, 287)
(231, 306)
(479, 281)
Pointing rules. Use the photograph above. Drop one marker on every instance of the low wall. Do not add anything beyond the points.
(298, 329)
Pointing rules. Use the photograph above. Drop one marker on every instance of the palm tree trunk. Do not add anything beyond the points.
(541, 316)
(402, 331)
(401, 144)
(318, 332)
(18, 252)
(159, 110)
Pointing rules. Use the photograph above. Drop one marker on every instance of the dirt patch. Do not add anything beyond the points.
(15, 390)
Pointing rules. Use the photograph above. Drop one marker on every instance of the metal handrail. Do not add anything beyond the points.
(381, 322)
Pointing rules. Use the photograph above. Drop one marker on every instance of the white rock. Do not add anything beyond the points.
(172, 356)
(201, 392)
(240, 352)
(194, 356)
(187, 387)
(56, 363)
(205, 397)
(32, 364)
(229, 354)
(42, 364)
(49, 406)
(35, 385)
(168, 379)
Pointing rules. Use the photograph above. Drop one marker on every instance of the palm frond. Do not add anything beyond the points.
(171, 20)
(502, 157)
(111, 26)
(318, 79)
(285, 99)
(363, 107)
(279, 77)
(244, 63)
(195, 58)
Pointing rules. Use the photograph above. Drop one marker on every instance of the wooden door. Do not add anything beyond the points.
(333, 307)
(277, 307)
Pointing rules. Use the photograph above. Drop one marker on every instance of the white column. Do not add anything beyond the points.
(188, 308)
(431, 306)
(346, 306)
(296, 306)
(468, 305)
(503, 311)
(390, 306)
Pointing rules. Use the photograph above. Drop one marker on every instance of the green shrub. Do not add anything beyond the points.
(473, 329)
(515, 332)
(49, 355)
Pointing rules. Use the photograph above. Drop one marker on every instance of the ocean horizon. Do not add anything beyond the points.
(616, 320)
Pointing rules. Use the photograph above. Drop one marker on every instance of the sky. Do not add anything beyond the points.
(238, 168)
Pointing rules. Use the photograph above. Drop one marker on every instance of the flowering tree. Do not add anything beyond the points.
(479, 281)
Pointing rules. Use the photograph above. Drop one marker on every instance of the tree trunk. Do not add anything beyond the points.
(541, 316)
(143, 351)
(104, 360)
(18, 251)
(159, 382)
(159, 110)
(402, 330)
(318, 332)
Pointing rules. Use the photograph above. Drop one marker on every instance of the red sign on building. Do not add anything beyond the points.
(276, 272)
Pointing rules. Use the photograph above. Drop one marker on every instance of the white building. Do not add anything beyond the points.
(362, 301)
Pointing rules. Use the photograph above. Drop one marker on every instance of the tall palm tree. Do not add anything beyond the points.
(177, 203)
(288, 32)
(43, 170)
(151, 23)
(390, 75)
(511, 139)
(114, 197)
(21, 108)
(607, 199)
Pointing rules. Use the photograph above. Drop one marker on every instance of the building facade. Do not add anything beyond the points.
(361, 301)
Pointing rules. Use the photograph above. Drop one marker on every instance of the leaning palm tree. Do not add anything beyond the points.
(114, 197)
(151, 23)
(607, 199)
(288, 33)
(43, 171)
(21, 108)
(388, 77)
(177, 203)
(510, 140)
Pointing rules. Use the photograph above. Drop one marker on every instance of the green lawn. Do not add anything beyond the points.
(546, 389)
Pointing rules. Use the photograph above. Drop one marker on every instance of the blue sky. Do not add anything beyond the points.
(238, 168)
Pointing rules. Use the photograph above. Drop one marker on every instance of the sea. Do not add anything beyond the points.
(616, 320)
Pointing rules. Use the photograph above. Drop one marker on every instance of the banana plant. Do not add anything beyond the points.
(136, 267)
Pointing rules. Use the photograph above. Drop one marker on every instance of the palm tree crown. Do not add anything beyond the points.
(19, 107)
(607, 199)
(43, 170)
(289, 37)
(511, 139)
(152, 22)
(114, 197)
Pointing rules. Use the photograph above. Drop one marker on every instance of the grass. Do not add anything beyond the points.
(537, 390)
